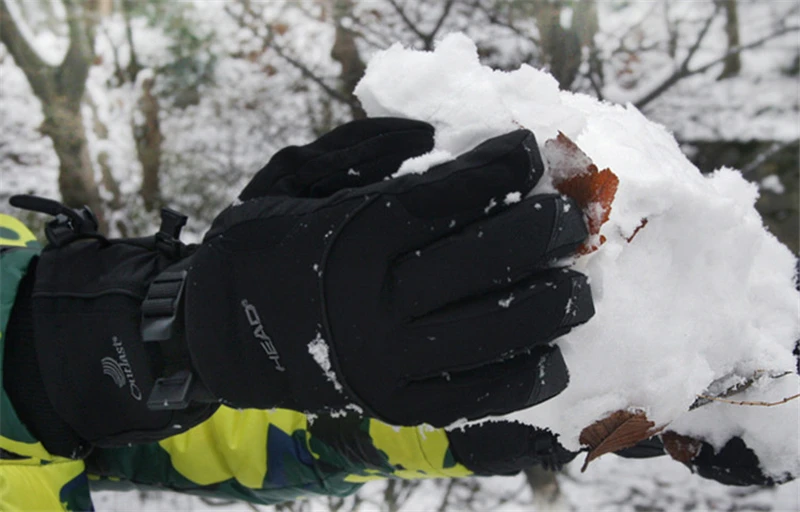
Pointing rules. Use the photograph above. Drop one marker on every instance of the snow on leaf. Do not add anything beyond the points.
(621, 429)
(575, 175)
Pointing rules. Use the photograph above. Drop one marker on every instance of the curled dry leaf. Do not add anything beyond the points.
(575, 175)
(681, 448)
(620, 430)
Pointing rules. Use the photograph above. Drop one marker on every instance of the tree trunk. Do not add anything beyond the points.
(345, 52)
(148, 145)
(60, 89)
(733, 62)
(562, 47)
(63, 123)
(546, 492)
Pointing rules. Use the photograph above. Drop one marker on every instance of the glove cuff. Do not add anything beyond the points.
(23, 381)
(506, 448)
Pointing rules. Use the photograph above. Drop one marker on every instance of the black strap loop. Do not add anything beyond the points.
(167, 238)
(68, 225)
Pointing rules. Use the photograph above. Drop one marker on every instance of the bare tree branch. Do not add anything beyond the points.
(268, 41)
(445, 13)
(446, 497)
(773, 150)
(410, 24)
(681, 74)
(427, 39)
(495, 20)
(73, 72)
(39, 73)
(683, 70)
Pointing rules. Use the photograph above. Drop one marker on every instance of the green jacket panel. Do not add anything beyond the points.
(18, 248)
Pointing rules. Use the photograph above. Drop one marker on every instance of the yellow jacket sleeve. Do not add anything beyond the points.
(29, 485)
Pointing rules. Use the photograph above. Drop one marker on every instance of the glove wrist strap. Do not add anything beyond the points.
(163, 329)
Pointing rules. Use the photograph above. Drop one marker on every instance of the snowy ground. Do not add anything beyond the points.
(610, 484)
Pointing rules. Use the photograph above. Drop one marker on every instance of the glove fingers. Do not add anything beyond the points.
(474, 185)
(501, 324)
(505, 448)
(488, 255)
(355, 154)
(493, 389)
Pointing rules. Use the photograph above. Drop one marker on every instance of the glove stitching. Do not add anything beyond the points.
(326, 326)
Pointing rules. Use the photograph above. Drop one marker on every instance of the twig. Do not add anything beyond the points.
(769, 153)
(747, 402)
(446, 497)
(509, 25)
(427, 39)
(445, 13)
(684, 70)
(408, 22)
(269, 42)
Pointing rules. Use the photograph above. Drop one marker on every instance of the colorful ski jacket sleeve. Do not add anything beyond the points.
(268, 457)
(254, 455)
(30, 478)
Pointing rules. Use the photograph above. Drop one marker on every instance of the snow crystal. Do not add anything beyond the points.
(512, 197)
(702, 293)
(319, 351)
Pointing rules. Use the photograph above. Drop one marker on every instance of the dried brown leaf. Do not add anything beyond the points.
(620, 430)
(681, 448)
(575, 175)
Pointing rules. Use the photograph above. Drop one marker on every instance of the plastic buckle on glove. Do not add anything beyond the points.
(167, 238)
(171, 393)
(68, 224)
(160, 307)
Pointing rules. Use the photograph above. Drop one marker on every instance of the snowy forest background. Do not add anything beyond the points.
(129, 105)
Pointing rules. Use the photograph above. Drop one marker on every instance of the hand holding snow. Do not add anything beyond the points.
(703, 292)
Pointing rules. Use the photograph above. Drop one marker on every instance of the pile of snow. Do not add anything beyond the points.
(702, 295)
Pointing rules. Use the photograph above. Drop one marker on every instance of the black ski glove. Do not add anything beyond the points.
(506, 448)
(734, 464)
(106, 314)
(426, 298)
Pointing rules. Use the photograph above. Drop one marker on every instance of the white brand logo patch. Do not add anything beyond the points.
(120, 370)
(261, 335)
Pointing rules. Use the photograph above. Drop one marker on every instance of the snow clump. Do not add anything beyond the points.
(703, 294)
